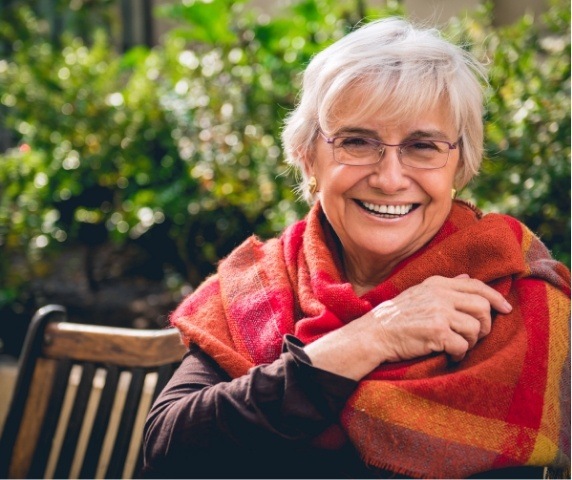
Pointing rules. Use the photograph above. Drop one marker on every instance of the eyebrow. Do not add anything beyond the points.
(431, 133)
(434, 134)
(366, 132)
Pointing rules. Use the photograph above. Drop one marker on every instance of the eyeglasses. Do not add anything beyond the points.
(421, 153)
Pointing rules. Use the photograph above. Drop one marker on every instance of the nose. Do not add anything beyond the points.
(388, 175)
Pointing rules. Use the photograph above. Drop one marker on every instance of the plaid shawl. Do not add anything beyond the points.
(506, 404)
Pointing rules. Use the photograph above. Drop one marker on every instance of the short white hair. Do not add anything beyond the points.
(400, 68)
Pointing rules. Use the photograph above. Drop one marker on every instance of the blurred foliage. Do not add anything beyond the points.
(178, 146)
(526, 171)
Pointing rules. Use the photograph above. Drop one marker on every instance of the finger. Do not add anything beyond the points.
(456, 346)
(468, 327)
(458, 358)
(476, 307)
(496, 300)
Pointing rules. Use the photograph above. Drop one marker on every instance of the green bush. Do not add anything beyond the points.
(526, 171)
(182, 140)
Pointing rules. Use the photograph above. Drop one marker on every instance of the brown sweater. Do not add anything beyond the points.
(206, 425)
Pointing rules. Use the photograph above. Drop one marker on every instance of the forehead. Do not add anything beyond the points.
(360, 107)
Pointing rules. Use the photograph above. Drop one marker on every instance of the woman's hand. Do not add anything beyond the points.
(439, 315)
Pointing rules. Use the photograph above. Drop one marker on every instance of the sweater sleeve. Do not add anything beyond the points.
(202, 409)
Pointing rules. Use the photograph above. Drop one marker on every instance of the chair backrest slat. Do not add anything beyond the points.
(164, 373)
(123, 438)
(51, 419)
(73, 413)
(119, 346)
(24, 439)
(75, 422)
(103, 414)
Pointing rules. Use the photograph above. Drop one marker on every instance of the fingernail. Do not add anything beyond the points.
(507, 306)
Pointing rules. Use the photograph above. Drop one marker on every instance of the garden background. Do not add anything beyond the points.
(127, 173)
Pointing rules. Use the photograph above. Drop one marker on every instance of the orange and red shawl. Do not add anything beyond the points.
(506, 404)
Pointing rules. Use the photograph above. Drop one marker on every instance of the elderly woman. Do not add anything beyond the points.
(393, 330)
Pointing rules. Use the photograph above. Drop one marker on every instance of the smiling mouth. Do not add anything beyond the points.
(387, 211)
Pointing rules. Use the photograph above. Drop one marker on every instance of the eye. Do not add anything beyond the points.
(355, 142)
(422, 145)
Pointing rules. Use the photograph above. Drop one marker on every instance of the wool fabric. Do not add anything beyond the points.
(506, 404)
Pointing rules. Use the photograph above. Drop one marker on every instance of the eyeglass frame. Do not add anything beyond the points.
(381, 151)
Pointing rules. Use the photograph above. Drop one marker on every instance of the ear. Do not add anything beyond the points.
(306, 161)
(459, 171)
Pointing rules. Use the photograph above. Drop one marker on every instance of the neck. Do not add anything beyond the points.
(363, 279)
(365, 274)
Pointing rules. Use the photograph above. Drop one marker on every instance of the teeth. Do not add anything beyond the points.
(389, 209)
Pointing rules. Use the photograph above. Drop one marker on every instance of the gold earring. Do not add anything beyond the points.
(312, 185)
(453, 193)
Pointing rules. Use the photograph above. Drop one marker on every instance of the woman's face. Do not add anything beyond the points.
(349, 195)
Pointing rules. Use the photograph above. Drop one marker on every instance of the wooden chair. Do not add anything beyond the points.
(82, 395)
(81, 398)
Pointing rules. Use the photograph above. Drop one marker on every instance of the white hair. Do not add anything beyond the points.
(399, 68)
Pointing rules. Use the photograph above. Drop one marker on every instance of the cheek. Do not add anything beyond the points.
(331, 175)
(441, 184)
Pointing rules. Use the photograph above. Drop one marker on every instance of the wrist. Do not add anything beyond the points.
(383, 314)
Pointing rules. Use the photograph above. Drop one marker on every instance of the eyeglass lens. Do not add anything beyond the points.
(415, 153)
